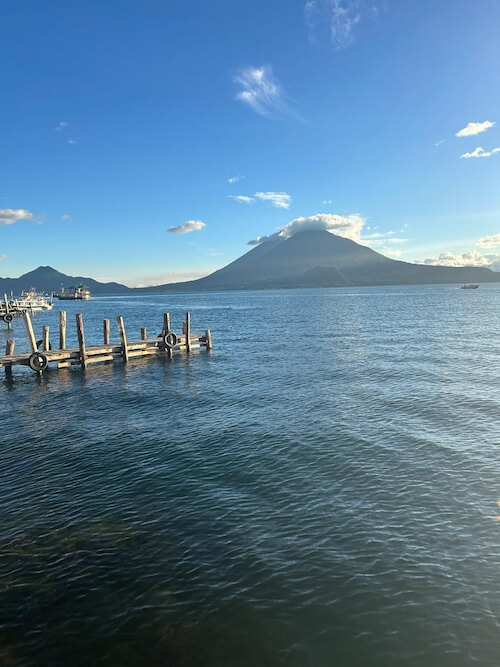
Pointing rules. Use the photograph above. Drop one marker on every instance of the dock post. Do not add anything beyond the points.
(9, 348)
(62, 330)
(208, 339)
(166, 330)
(105, 331)
(144, 333)
(123, 337)
(46, 339)
(81, 340)
(29, 330)
(188, 332)
(6, 303)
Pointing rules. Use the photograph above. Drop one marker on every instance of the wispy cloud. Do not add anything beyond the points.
(339, 16)
(187, 227)
(72, 141)
(480, 152)
(489, 241)
(474, 128)
(349, 226)
(10, 215)
(242, 199)
(233, 180)
(261, 91)
(438, 143)
(2, 257)
(326, 201)
(276, 199)
(65, 216)
(62, 125)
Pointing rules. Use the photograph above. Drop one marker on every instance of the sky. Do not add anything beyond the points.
(151, 142)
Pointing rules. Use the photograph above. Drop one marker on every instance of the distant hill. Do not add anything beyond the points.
(46, 279)
(318, 258)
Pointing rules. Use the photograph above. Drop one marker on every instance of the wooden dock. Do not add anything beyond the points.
(41, 353)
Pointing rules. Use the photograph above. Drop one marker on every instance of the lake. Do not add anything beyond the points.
(321, 489)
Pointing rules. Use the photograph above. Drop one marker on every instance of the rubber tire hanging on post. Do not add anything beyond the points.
(7, 318)
(169, 340)
(38, 362)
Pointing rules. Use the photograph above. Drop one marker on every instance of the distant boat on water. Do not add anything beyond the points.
(30, 300)
(77, 293)
(470, 286)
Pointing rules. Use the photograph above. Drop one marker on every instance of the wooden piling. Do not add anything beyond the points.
(208, 339)
(105, 331)
(123, 337)
(6, 303)
(166, 323)
(188, 332)
(144, 333)
(29, 330)
(9, 348)
(45, 339)
(81, 340)
(62, 330)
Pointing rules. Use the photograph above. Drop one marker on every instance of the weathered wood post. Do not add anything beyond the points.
(144, 333)
(9, 348)
(29, 330)
(123, 337)
(81, 340)
(188, 332)
(46, 339)
(208, 339)
(166, 330)
(62, 330)
(6, 303)
(105, 331)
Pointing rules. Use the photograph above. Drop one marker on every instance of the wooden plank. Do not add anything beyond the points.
(188, 332)
(144, 333)
(208, 339)
(29, 330)
(46, 338)
(105, 331)
(62, 330)
(103, 357)
(123, 337)
(81, 340)
(9, 348)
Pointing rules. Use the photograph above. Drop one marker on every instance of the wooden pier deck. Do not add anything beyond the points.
(41, 353)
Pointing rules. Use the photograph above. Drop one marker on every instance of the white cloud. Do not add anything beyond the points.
(480, 152)
(341, 18)
(233, 180)
(9, 215)
(474, 128)
(2, 257)
(65, 216)
(62, 125)
(326, 201)
(164, 278)
(438, 143)
(242, 199)
(277, 199)
(349, 227)
(71, 141)
(260, 90)
(187, 227)
(489, 241)
(471, 258)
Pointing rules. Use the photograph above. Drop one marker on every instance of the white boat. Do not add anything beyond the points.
(470, 286)
(32, 301)
(78, 293)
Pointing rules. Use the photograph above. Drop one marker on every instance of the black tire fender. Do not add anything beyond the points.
(7, 318)
(169, 340)
(38, 362)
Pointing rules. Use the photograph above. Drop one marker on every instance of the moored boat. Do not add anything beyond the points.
(470, 286)
(77, 293)
(31, 300)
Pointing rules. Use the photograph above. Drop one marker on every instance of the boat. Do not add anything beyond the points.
(32, 301)
(77, 293)
(470, 286)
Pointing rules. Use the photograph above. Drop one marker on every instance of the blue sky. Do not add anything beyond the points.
(120, 120)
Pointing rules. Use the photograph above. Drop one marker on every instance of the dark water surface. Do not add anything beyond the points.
(319, 490)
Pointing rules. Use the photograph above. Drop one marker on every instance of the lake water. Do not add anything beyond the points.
(319, 490)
